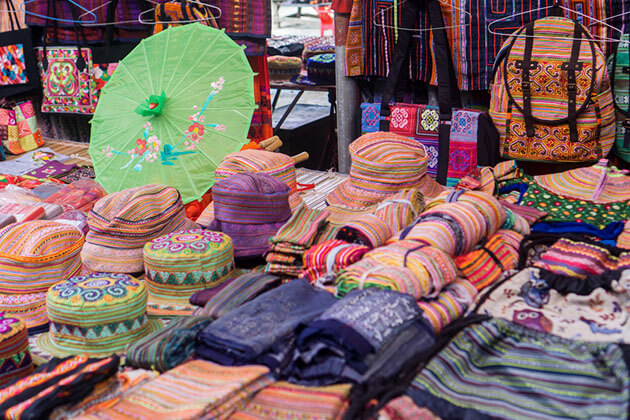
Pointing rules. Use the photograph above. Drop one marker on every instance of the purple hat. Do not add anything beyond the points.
(250, 208)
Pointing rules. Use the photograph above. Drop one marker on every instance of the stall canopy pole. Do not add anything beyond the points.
(347, 94)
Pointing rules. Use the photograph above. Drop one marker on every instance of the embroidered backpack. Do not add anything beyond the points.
(619, 70)
(551, 98)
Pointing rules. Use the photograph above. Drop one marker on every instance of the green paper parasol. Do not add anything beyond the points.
(174, 107)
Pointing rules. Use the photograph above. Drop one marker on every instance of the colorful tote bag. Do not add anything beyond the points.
(18, 67)
(552, 104)
(457, 140)
(619, 70)
(18, 128)
(177, 12)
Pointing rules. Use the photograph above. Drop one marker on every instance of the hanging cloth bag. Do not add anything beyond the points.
(67, 76)
(18, 65)
(619, 70)
(170, 14)
(457, 140)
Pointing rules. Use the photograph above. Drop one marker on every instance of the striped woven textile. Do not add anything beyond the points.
(577, 259)
(190, 391)
(24, 212)
(35, 255)
(237, 292)
(403, 408)
(368, 229)
(449, 305)
(30, 308)
(15, 357)
(168, 347)
(122, 223)
(283, 400)
(508, 371)
(404, 266)
(485, 265)
(327, 258)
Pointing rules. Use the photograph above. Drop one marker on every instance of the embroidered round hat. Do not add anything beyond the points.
(597, 184)
(34, 256)
(15, 357)
(122, 223)
(250, 208)
(277, 165)
(382, 165)
(180, 264)
(99, 314)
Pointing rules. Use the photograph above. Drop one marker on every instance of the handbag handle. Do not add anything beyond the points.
(12, 11)
(449, 96)
(80, 62)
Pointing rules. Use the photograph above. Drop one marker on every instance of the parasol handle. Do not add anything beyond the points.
(299, 158)
(269, 141)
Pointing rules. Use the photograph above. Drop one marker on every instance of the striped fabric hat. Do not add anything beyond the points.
(98, 314)
(34, 256)
(277, 165)
(15, 357)
(123, 222)
(182, 263)
(382, 165)
(250, 208)
(598, 183)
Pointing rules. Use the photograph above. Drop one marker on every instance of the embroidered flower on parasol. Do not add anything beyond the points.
(174, 108)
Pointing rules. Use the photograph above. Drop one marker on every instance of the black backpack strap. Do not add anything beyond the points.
(526, 64)
(571, 66)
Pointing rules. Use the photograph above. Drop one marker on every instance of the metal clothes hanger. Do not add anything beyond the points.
(201, 3)
(382, 25)
(614, 17)
(23, 9)
(559, 6)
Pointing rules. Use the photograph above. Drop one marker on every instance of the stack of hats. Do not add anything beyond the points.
(34, 256)
(14, 351)
(182, 263)
(282, 67)
(123, 222)
(250, 208)
(382, 165)
(320, 70)
(325, 45)
(99, 314)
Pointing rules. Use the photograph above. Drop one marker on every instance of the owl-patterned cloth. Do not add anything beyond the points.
(527, 299)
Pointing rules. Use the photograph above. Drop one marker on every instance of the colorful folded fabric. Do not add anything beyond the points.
(182, 263)
(123, 222)
(325, 260)
(6, 220)
(404, 266)
(401, 209)
(250, 208)
(480, 179)
(34, 256)
(49, 169)
(99, 314)
(578, 259)
(15, 357)
(490, 261)
(528, 299)
(342, 343)
(403, 408)
(449, 305)
(194, 390)
(53, 385)
(79, 195)
(504, 370)
(283, 400)
(382, 165)
(246, 334)
(610, 232)
(168, 347)
(368, 230)
(23, 212)
(239, 291)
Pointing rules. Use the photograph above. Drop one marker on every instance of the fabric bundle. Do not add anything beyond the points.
(328, 258)
(566, 306)
(499, 369)
(449, 305)
(190, 391)
(578, 259)
(342, 344)
(492, 210)
(33, 257)
(485, 265)
(250, 208)
(404, 266)
(56, 383)
(168, 347)
(293, 239)
(216, 303)
(283, 400)
(256, 331)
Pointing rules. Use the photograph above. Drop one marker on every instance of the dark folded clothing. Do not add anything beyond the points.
(244, 334)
